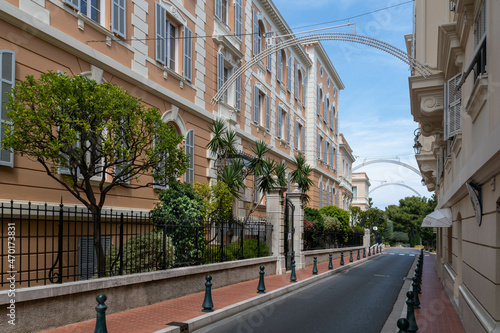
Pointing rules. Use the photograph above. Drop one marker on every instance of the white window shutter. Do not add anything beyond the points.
(279, 64)
(118, 17)
(287, 127)
(237, 97)
(296, 135)
(218, 9)
(268, 112)
(454, 106)
(188, 54)
(161, 33)
(255, 33)
(289, 75)
(73, 3)
(7, 80)
(256, 106)
(220, 70)
(238, 18)
(296, 78)
(280, 123)
(189, 149)
(269, 62)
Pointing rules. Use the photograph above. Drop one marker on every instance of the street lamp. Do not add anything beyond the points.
(417, 147)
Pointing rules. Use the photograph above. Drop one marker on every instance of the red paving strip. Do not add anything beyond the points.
(436, 313)
(154, 317)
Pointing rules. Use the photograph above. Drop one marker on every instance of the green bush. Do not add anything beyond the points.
(232, 251)
(141, 253)
(331, 223)
(343, 217)
(400, 236)
(358, 229)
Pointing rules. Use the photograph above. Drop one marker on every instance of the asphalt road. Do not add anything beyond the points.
(356, 300)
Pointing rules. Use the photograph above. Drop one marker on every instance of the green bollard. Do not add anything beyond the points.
(100, 324)
(207, 302)
(315, 266)
(350, 256)
(261, 288)
(330, 265)
(341, 258)
(357, 258)
(403, 325)
(377, 248)
(410, 312)
(364, 253)
(293, 277)
(369, 251)
(416, 300)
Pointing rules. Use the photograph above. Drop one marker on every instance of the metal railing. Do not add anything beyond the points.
(324, 239)
(56, 244)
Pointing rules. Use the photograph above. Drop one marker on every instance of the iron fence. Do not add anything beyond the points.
(56, 244)
(324, 239)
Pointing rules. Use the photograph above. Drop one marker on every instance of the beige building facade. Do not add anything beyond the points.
(346, 161)
(458, 111)
(360, 190)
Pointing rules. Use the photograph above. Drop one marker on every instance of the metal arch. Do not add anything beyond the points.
(388, 161)
(333, 36)
(398, 184)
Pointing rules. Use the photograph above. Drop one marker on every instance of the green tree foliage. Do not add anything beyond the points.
(388, 232)
(342, 215)
(301, 176)
(312, 214)
(180, 212)
(408, 216)
(400, 237)
(357, 214)
(97, 135)
(218, 201)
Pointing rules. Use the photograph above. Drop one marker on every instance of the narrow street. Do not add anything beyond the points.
(357, 300)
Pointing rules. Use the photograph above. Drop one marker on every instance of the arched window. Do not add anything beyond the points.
(320, 194)
(333, 198)
(327, 195)
(189, 149)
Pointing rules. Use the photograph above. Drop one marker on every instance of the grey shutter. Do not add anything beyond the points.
(161, 33)
(320, 194)
(446, 111)
(327, 201)
(268, 112)
(218, 9)
(7, 80)
(220, 70)
(269, 62)
(280, 123)
(304, 90)
(256, 106)
(336, 153)
(188, 54)
(319, 146)
(73, 3)
(279, 64)
(296, 135)
(87, 257)
(325, 108)
(189, 149)
(454, 106)
(118, 17)
(255, 33)
(238, 18)
(331, 117)
(289, 74)
(296, 77)
(324, 150)
(336, 121)
(237, 89)
(303, 139)
(318, 112)
(327, 152)
(288, 182)
(288, 127)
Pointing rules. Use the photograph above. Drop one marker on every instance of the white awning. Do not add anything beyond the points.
(440, 218)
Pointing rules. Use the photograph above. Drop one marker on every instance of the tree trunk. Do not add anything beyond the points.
(98, 247)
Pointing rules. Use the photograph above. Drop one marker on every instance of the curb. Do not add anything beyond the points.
(228, 311)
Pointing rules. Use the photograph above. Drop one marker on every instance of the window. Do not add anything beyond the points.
(304, 90)
(188, 54)
(166, 39)
(238, 18)
(326, 104)
(237, 96)
(332, 197)
(320, 143)
(299, 136)
(480, 24)
(7, 80)
(296, 78)
(288, 183)
(328, 82)
(332, 155)
(280, 70)
(321, 71)
(327, 150)
(220, 70)
(320, 194)
(90, 8)
(225, 75)
(118, 17)
(259, 100)
(283, 125)
(221, 10)
(324, 151)
(87, 257)
(256, 34)
(453, 102)
(289, 75)
(189, 149)
(354, 191)
(320, 96)
(332, 111)
(327, 194)
(269, 62)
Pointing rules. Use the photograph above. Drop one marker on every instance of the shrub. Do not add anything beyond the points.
(400, 236)
(358, 229)
(141, 253)
(332, 223)
(313, 215)
(232, 251)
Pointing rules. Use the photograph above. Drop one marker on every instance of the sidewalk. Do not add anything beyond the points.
(436, 314)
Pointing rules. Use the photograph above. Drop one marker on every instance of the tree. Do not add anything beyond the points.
(301, 175)
(91, 138)
(357, 215)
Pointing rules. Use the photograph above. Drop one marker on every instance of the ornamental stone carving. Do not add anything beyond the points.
(430, 104)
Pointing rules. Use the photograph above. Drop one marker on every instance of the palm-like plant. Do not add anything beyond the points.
(301, 175)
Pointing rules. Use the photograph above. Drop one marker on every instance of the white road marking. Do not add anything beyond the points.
(402, 254)
(392, 253)
(412, 255)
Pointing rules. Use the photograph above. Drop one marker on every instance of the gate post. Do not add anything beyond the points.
(296, 197)
(366, 239)
(276, 217)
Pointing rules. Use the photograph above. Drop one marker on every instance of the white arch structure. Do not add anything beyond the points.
(327, 36)
(387, 161)
(397, 184)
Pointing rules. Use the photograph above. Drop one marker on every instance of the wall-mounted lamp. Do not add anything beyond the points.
(417, 147)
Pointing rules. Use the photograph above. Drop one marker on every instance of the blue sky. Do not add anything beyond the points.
(374, 107)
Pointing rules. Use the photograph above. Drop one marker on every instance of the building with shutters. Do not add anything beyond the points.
(345, 174)
(361, 190)
(458, 113)
(175, 56)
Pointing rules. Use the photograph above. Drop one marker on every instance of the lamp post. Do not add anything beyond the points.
(417, 147)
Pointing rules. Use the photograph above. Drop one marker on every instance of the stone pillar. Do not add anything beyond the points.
(276, 217)
(366, 238)
(298, 223)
